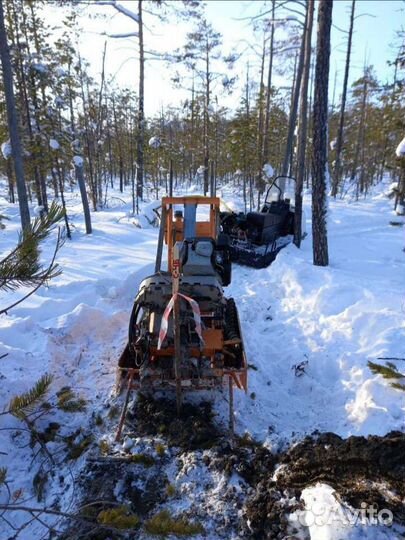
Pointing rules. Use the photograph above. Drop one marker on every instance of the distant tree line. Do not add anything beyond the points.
(78, 130)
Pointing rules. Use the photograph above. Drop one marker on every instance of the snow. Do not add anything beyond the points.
(328, 519)
(148, 217)
(268, 170)
(154, 142)
(61, 72)
(6, 150)
(121, 35)
(400, 210)
(400, 151)
(78, 161)
(334, 318)
(59, 102)
(120, 8)
(332, 144)
(201, 170)
(40, 68)
(53, 143)
(337, 318)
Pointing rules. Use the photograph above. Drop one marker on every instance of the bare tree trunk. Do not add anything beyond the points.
(192, 156)
(12, 121)
(171, 179)
(400, 195)
(360, 133)
(99, 128)
(9, 170)
(206, 120)
(339, 139)
(294, 109)
(40, 162)
(309, 128)
(302, 135)
(266, 126)
(259, 135)
(320, 139)
(57, 171)
(141, 114)
(83, 194)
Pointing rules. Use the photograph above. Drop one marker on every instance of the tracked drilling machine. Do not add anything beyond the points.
(184, 334)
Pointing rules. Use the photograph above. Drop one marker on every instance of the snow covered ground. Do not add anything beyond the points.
(331, 321)
(308, 331)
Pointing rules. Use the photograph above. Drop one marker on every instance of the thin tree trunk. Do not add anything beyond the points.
(141, 115)
(311, 95)
(60, 177)
(266, 126)
(302, 136)
(294, 110)
(83, 194)
(10, 179)
(99, 128)
(12, 121)
(339, 139)
(361, 129)
(259, 136)
(206, 120)
(320, 139)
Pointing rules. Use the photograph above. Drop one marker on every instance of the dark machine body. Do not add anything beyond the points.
(257, 237)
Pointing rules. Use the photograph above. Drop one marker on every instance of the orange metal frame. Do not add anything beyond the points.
(174, 227)
(213, 337)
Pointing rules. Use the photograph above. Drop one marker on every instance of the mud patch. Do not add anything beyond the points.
(234, 488)
(370, 470)
(193, 429)
(362, 470)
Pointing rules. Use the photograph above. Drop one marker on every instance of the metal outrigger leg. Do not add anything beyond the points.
(125, 407)
(231, 412)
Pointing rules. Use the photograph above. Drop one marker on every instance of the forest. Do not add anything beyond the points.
(115, 304)
(65, 112)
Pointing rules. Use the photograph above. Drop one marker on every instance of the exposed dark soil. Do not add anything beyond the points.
(370, 470)
(194, 429)
(362, 470)
(98, 483)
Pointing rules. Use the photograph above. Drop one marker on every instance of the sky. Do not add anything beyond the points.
(375, 27)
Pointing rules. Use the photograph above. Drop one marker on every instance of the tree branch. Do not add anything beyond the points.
(44, 278)
(120, 8)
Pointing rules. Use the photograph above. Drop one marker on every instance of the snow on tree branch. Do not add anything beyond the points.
(78, 161)
(120, 8)
(268, 170)
(6, 150)
(400, 151)
(125, 35)
(53, 143)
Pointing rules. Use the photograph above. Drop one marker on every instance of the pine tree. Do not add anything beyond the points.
(12, 119)
(389, 371)
(22, 267)
(320, 135)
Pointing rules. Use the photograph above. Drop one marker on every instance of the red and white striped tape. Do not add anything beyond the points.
(166, 314)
